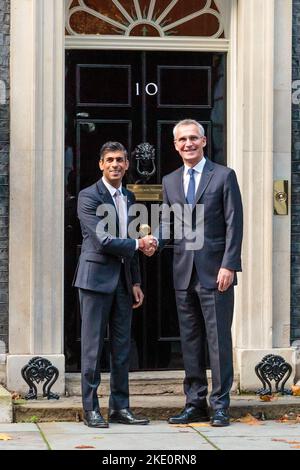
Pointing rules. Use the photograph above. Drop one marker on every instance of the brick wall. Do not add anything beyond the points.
(4, 156)
(295, 273)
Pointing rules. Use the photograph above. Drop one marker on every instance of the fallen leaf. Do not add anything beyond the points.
(286, 441)
(284, 419)
(266, 397)
(296, 390)
(84, 447)
(16, 396)
(5, 437)
(288, 418)
(199, 425)
(249, 419)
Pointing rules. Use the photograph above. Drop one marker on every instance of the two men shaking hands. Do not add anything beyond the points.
(108, 276)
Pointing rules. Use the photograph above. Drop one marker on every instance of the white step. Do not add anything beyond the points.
(141, 383)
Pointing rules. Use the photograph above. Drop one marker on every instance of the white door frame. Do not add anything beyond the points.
(37, 172)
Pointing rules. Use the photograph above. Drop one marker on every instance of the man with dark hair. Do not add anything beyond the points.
(108, 277)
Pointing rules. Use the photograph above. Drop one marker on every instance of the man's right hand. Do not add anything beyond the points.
(148, 245)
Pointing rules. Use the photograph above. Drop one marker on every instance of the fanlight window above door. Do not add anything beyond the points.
(154, 18)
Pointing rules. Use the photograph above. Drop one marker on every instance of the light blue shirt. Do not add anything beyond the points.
(197, 175)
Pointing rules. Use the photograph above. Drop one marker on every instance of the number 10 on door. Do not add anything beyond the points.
(151, 89)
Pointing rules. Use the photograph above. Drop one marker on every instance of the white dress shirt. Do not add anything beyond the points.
(123, 207)
(197, 175)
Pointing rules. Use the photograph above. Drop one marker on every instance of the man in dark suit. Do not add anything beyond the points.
(204, 275)
(108, 278)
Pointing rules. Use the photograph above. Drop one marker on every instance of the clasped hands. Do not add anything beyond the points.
(148, 245)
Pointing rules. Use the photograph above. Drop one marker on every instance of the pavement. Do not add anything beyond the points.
(157, 438)
(57, 425)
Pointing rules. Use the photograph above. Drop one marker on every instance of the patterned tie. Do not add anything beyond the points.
(122, 213)
(190, 197)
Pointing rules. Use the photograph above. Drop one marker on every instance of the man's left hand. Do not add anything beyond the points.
(138, 296)
(225, 279)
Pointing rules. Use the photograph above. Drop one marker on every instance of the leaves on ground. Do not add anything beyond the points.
(16, 396)
(290, 418)
(199, 425)
(286, 441)
(293, 444)
(5, 437)
(189, 425)
(84, 447)
(266, 398)
(296, 390)
(249, 419)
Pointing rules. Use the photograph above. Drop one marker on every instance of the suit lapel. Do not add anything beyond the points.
(179, 184)
(104, 193)
(107, 199)
(207, 175)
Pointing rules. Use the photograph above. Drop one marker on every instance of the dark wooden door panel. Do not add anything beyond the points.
(136, 97)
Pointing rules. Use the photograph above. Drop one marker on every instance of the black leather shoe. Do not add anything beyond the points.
(220, 418)
(125, 416)
(94, 419)
(190, 414)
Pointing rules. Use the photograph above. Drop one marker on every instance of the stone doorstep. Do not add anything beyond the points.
(141, 383)
(6, 408)
(155, 407)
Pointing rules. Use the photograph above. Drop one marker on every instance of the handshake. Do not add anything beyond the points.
(148, 245)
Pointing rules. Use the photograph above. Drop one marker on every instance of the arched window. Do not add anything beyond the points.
(145, 18)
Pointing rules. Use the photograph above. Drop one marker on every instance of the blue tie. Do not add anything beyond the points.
(190, 197)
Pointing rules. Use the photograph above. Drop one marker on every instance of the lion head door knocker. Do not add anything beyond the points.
(144, 155)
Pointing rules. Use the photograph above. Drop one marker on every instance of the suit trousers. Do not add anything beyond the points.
(205, 317)
(97, 312)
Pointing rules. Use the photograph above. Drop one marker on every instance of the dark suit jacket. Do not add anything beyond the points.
(102, 253)
(219, 192)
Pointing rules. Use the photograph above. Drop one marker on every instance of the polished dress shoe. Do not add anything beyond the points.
(220, 418)
(190, 414)
(94, 419)
(125, 416)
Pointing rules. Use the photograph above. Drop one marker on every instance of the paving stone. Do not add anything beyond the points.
(121, 437)
(24, 441)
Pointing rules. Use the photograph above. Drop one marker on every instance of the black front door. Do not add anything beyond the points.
(135, 98)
